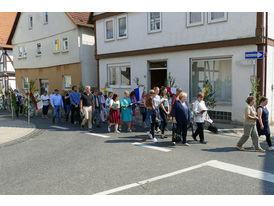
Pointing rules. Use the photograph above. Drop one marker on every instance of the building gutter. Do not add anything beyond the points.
(266, 45)
(260, 47)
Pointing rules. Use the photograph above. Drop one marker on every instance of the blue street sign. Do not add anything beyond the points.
(254, 55)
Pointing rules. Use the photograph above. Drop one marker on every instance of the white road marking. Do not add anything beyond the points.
(118, 189)
(98, 135)
(269, 177)
(58, 127)
(151, 147)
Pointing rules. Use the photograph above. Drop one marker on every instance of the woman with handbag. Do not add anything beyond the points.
(114, 113)
(250, 126)
(181, 116)
(151, 114)
(262, 122)
(143, 109)
(126, 111)
(164, 111)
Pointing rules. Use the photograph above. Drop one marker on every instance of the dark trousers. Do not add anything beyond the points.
(143, 113)
(67, 110)
(75, 114)
(153, 123)
(45, 110)
(164, 120)
(96, 115)
(182, 130)
(19, 108)
(199, 131)
(268, 140)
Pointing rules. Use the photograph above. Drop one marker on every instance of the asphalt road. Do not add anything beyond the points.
(70, 161)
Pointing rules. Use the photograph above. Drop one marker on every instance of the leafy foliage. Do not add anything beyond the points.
(209, 94)
(137, 82)
(255, 82)
(171, 80)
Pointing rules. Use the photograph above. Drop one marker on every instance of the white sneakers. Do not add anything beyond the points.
(108, 129)
(150, 136)
(155, 140)
(271, 148)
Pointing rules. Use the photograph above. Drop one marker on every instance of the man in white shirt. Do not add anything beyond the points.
(199, 109)
(45, 99)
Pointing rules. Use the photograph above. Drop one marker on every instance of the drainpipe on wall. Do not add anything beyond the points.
(266, 43)
(260, 47)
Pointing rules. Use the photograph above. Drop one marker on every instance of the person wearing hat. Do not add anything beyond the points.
(57, 104)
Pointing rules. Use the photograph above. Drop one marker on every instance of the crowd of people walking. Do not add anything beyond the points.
(157, 108)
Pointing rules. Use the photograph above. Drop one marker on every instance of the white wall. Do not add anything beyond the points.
(9, 64)
(89, 67)
(270, 82)
(178, 65)
(175, 32)
(59, 25)
(271, 25)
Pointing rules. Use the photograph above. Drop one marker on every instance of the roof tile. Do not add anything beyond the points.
(6, 23)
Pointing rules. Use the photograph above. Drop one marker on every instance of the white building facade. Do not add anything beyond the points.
(192, 47)
(54, 49)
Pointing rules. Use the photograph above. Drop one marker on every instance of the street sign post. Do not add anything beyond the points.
(254, 55)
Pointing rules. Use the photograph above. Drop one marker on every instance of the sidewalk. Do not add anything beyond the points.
(11, 130)
(235, 129)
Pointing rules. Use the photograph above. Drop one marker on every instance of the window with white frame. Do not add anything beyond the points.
(218, 72)
(25, 83)
(45, 17)
(109, 29)
(56, 45)
(66, 82)
(216, 17)
(30, 22)
(154, 21)
(122, 27)
(194, 18)
(38, 49)
(119, 75)
(22, 52)
(65, 44)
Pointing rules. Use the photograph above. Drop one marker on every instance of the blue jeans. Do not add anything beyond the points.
(57, 110)
(67, 111)
(96, 115)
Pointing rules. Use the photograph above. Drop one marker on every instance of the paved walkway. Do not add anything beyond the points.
(11, 130)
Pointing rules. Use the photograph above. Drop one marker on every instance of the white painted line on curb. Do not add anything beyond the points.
(98, 135)
(118, 189)
(58, 127)
(151, 147)
(269, 177)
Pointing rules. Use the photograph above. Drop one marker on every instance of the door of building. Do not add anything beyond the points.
(44, 85)
(158, 74)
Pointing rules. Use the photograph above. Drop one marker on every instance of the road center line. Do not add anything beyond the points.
(118, 189)
(151, 147)
(99, 135)
(269, 177)
(58, 127)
